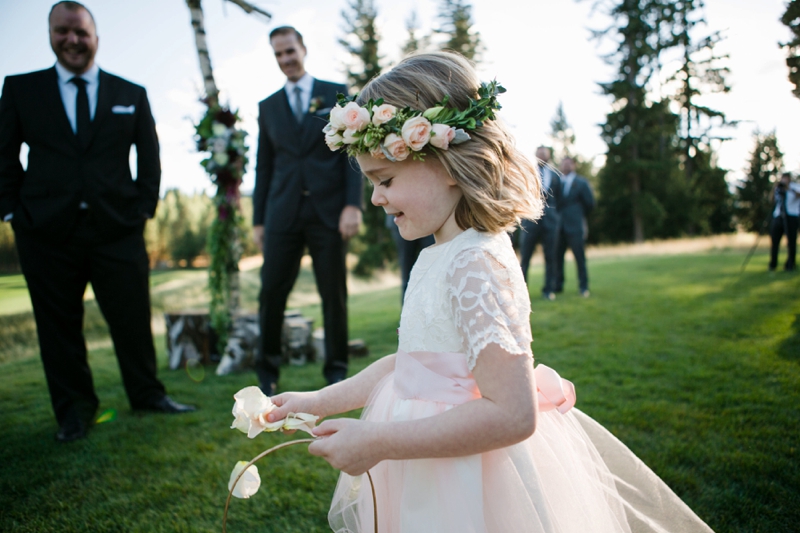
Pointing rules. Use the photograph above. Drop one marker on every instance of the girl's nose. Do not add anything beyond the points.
(378, 199)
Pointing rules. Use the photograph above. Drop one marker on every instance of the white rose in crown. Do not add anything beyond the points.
(250, 414)
(248, 484)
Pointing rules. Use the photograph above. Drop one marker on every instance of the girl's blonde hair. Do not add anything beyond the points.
(500, 186)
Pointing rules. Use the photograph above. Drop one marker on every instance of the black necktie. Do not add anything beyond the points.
(82, 117)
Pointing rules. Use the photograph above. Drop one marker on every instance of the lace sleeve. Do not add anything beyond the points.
(490, 304)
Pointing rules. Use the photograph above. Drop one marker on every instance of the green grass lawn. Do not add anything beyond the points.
(694, 366)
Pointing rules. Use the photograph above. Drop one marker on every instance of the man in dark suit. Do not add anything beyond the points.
(78, 215)
(546, 228)
(305, 196)
(577, 201)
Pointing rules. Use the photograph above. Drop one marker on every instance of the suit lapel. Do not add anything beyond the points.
(311, 127)
(52, 97)
(103, 104)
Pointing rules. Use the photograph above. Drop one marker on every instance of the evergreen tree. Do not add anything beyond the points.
(361, 42)
(413, 42)
(636, 190)
(456, 19)
(754, 204)
(792, 19)
(562, 135)
(706, 206)
(374, 245)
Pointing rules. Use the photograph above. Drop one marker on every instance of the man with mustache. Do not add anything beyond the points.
(79, 216)
(305, 196)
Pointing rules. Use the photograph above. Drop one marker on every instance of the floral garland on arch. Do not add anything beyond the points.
(216, 134)
(387, 132)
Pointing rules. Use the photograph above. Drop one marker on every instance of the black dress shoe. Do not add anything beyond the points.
(165, 404)
(73, 428)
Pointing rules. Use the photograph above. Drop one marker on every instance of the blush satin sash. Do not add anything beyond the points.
(444, 377)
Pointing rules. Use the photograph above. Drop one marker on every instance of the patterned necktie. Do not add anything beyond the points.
(298, 104)
(82, 117)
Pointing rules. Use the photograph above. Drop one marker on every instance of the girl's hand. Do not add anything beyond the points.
(348, 445)
(296, 402)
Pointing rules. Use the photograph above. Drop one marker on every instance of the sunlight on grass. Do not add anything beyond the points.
(693, 365)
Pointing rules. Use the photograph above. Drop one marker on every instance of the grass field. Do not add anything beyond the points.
(694, 366)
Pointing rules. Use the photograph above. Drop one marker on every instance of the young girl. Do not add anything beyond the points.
(454, 434)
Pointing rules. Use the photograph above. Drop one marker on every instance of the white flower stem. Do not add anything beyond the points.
(267, 452)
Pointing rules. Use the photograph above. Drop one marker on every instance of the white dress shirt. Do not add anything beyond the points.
(567, 182)
(69, 91)
(547, 177)
(306, 84)
(792, 201)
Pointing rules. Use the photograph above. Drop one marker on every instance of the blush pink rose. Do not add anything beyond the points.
(355, 117)
(377, 153)
(442, 135)
(416, 132)
(383, 113)
(396, 146)
(337, 116)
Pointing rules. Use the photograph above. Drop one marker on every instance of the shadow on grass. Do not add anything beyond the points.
(789, 349)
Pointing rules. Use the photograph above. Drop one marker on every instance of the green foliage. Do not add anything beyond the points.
(456, 27)
(791, 18)
(753, 196)
(9, 261)
(413, 42)
(562, 135)
(179, 229)
(693, 366)
(361, 41)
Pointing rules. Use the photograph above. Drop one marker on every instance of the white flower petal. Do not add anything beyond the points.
(249, 482)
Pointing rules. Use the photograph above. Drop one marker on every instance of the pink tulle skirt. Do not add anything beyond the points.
(570, 476)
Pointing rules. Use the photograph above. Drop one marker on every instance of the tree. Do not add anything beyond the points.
(361, 42)
(413, 42)
(456, 18)
(374, 245)
(701, 71)
(640, 132)
(792, 19)
(561, 134)
(754, 205)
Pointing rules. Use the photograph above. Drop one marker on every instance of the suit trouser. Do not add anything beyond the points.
(283, 252)
(57, 274)
(777, 229)
(532, 233)
(575, 242)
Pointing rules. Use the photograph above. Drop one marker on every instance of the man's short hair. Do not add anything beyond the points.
(287, 30)
(71, 6)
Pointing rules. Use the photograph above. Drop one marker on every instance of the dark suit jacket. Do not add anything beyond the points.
(551, 217)
(576, 205)
(293, 157)
(45, 197)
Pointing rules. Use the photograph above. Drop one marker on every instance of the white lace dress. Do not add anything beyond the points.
(571, 476)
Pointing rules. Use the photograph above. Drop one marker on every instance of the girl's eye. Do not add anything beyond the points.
(386, 183)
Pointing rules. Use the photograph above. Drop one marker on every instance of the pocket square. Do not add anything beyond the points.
(123, 110)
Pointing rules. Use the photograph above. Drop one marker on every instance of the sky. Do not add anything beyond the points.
(542, 52)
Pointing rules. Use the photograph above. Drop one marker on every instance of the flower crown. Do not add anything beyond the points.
(384, 131)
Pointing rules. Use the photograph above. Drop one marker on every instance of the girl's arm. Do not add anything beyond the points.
(338, 398)
(505, 415)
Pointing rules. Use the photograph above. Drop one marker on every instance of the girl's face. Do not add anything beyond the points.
(420, 195)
